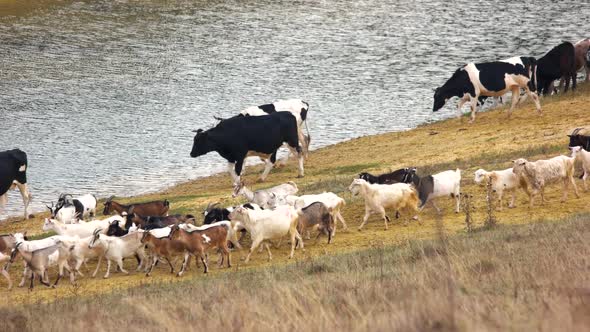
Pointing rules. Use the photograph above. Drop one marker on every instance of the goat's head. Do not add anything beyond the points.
(519, 165)
(210, 207)
(355, 186)
(238, 189)
(14, 252)
(95, 238)
(48, 224)
(174, 232)
(108, 206)
(480, 176)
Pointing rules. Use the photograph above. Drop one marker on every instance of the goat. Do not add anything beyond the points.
(447, 183)
(262, 196)
(542, 172)
(198, 241)
(213, 213)
(380, 196)
(151, 222)
(584, 156)
(504, 180)
(316, 214)
(66, 214)
(268, 225)
(333, 202)
(117, 248)
(5, 259)
(403, 175)
(39, 260)
(84, 205)
(80, 230)
(162, 246)
(153, 208)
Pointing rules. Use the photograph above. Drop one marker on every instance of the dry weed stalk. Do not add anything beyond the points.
(490, 206)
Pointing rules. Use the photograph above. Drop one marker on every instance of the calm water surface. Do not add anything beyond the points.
(103, 95)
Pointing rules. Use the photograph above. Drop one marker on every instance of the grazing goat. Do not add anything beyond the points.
(269, 225)
(584, 156)
(333, 202)
(504, 180)
(262, 196)
(162, 246)
(154, 208)
(403, 175)
(447, 183)
(316, 215)
(380, 196)
(84, 206)
(80, 230)
(197, 242)
(66, 214)
(37, 261)
(542, 172)
(117, 248)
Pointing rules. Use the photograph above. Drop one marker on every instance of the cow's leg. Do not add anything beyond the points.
(234, 176)
(515, 97)
(238, 169)
(567, 83)
(473, 107)
(26, 195)
(574, 80)
(535, 98)
(269, 163)
(462, 101)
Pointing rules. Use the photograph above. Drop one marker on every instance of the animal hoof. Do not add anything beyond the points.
(299, 176)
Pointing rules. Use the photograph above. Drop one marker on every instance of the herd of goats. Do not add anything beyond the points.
(146, 232)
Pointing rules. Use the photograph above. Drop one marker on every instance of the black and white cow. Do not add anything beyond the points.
(297, 107)
(236, 138)
(491, 79)
(13, 174)
(559, 62)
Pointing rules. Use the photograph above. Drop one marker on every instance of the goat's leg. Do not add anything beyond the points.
(97, 266)
(184, 264)
(435, 206)
(512, 200)
(151, 267)
(268, 249)
(341, 220)
(108, 269)
(255, 244)
(120, 265)
(169, 264)
(204, 261)
(368, 212)
(584, 177)
(7, 276)
(42, 277)
(573, 182)
(23, 280)
(385, 217)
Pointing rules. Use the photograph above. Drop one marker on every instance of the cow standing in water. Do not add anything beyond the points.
(13, 174)
(236, 138)
(489, 79)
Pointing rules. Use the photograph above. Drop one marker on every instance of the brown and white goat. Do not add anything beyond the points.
(197, 242)
(162, 247)
(39, 260)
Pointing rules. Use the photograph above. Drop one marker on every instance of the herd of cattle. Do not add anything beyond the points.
(146, 231)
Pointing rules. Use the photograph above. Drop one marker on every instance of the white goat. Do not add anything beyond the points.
(447, 183)
(584, 156)
(81, 230)
(380, 196)
(269, 225)
(542, 172)
(504, 180)
(82, 253)
(42, 254)
(117, 248)
(333, 202)
(262, 196)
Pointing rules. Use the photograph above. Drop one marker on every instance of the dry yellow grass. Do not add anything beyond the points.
(491, 143)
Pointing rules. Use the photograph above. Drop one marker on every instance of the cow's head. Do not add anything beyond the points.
(439, 99)
(200, 143)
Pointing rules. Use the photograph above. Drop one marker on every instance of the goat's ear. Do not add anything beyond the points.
(569, 135)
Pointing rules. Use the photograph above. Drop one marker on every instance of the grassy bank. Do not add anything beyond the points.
(511, 278)
(491, 143)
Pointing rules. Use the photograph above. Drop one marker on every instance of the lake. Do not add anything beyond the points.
(103, 95)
